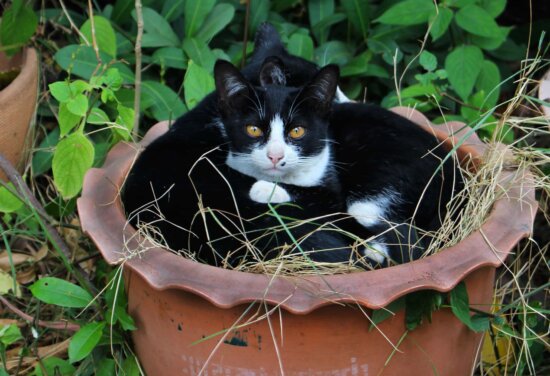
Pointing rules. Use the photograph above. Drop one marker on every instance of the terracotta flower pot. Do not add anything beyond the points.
(194, 317)
(17, 106)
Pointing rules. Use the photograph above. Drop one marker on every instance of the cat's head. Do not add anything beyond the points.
(276, 132)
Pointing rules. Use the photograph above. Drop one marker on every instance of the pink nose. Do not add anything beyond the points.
(275, 158)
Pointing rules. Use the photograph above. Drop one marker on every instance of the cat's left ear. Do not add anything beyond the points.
(320, 91)
(231, 86)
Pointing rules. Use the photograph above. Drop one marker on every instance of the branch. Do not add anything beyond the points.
(137, 86)
(62, 325)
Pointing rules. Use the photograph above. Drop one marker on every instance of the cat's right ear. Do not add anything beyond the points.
(232, 88)
(320, 91)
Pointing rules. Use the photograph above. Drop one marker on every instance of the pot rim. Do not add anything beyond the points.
(29, 67)
(104, 221)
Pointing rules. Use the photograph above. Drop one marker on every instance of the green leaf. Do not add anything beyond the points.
(463, 65)
(379, 315)
(199, 52)
(318, 10)
(197, 84)
(67, 120)
(112, 79)
(85, 340)
(18, 25)
(172, 9)
(97, 116)
(78, 105)
(82, 61)
(259, 11)
(301, 45)
(428, 61)
(408, 12)
(480, 323)
(460, 305)
(60, 91)
(420, 304)
(493, 7)
(54, 366)
(488, 81)
(130, 366)
(166, 103)
(104, 35)
(461, 3)
(358, 66)
(121, 11)
(42, 157)
(125, 120)
(8, 201)
(10, 334)
(195, 14)
(106, 367)
(157, 31)
(217, 20)
(59, 292)
(358, 12)
(440, 23)
(72, 158)
(494, 42)
(477, 21)
(171, 57)
(334, 52)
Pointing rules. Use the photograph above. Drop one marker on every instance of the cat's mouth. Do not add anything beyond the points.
(275, 171)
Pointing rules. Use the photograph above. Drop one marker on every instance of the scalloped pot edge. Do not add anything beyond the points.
(103, 219)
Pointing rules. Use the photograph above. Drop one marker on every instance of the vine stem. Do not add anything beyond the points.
(94, 40)
(137, 50)
(245, 37)
(24, 191)
(71, 22)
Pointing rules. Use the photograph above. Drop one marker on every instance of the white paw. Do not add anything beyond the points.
(376, 251)
(264, 191)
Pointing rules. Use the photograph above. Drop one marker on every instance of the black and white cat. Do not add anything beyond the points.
(255, 145)
(264, 140)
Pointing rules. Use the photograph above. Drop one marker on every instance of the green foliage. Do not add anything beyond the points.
(18, 25)
(54, 366)
(8, 201)
(60, 292)
(85, 340)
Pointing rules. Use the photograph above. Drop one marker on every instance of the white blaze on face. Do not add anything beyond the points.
(275, 147)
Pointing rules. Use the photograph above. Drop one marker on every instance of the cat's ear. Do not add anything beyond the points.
(231, 86)
(320, 91)
(272, 72)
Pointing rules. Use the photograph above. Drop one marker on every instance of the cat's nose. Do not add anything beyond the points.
(275, 158)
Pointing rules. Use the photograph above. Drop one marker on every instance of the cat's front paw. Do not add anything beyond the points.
(264, 191)
(376, 251)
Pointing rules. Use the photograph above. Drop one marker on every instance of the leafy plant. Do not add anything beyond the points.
(446, 58)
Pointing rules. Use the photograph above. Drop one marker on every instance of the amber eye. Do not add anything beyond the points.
(297, 133)
(253, 131)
